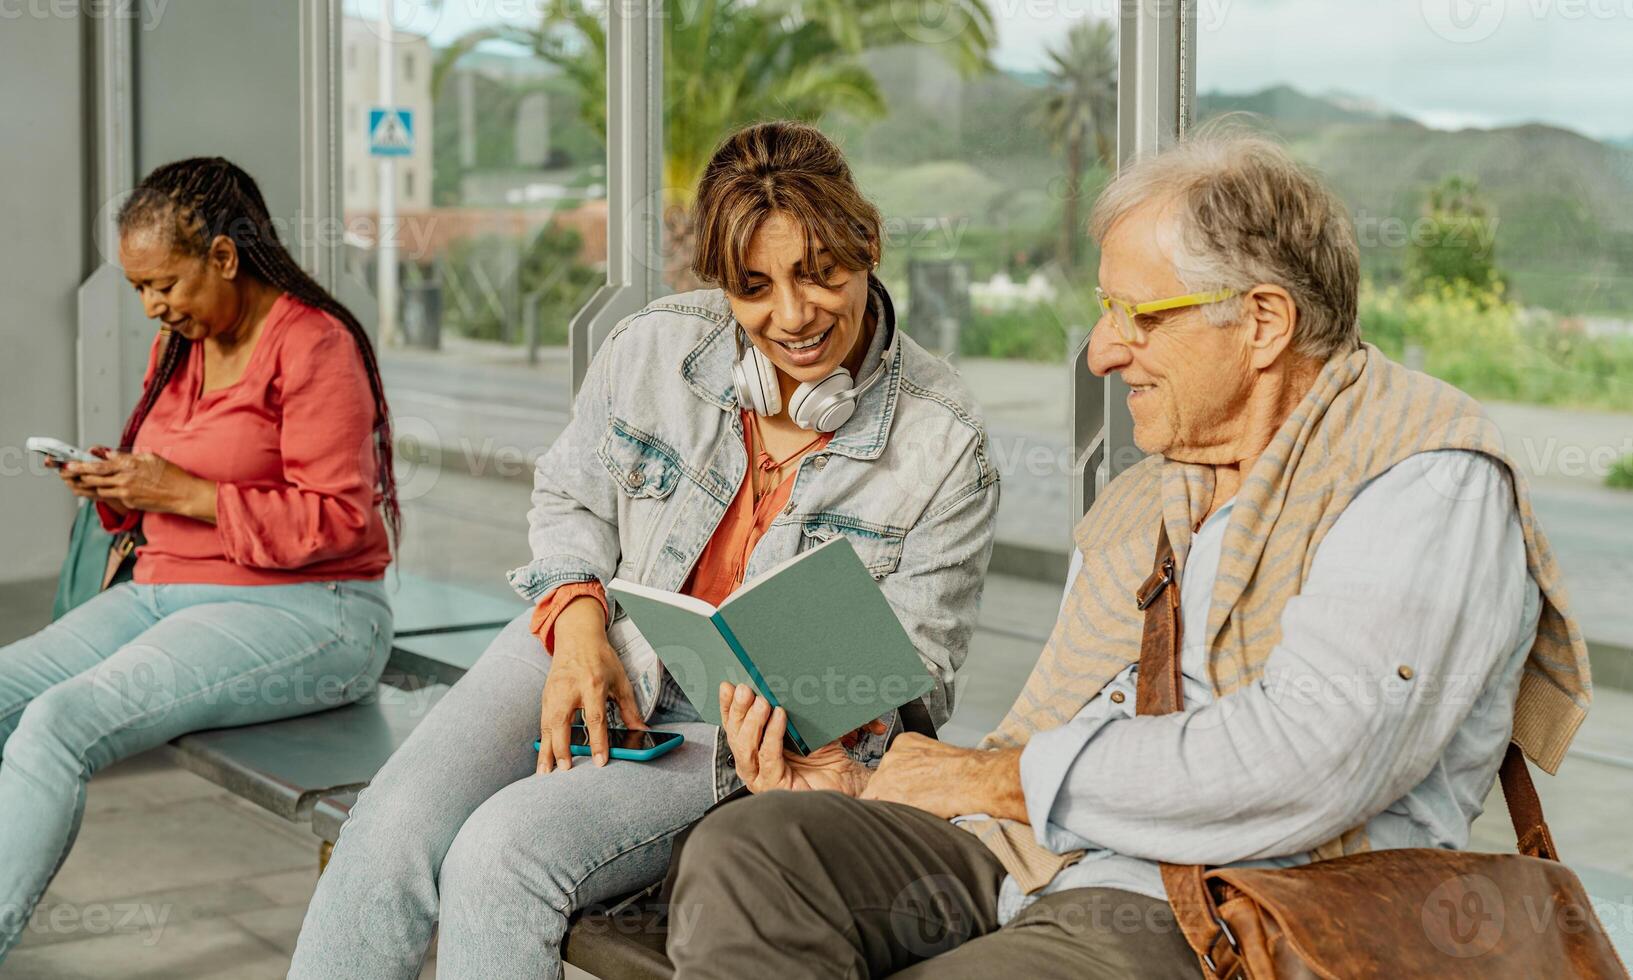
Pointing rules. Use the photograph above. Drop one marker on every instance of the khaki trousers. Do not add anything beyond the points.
(795, 885)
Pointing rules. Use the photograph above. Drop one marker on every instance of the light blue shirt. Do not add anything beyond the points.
(1388, 700)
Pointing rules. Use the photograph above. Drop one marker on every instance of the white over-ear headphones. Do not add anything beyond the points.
(822, 406)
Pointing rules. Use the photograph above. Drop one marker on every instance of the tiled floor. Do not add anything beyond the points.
(173, 878)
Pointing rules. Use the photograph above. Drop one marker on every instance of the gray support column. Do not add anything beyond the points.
(114, 337)
(103, 389)
(321, 207)
(1156, 89)
(634, 177)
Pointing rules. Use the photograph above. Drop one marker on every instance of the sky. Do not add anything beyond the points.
(1446, 63)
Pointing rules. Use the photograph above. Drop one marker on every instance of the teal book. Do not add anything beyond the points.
(813, 635)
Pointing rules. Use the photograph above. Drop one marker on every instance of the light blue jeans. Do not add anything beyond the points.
(142, 664)
(458, 829)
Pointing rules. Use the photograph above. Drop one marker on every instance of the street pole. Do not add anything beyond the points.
(386, 250)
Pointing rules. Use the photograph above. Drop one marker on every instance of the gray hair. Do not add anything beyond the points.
(1250, 214)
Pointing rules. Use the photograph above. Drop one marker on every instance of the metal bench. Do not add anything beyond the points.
(286, 766)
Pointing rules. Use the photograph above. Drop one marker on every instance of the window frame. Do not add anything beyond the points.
(1156, 93)
(634, 179)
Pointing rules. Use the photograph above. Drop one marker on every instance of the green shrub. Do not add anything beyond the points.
(1621, 474)
(1032, 333)
(1473, 338)
(486, 280)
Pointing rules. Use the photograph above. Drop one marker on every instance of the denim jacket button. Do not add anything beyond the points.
(636, 478)
(789, 509)
(819, 462)
(1117, 697)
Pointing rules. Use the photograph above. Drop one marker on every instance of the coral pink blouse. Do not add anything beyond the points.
(290, 446)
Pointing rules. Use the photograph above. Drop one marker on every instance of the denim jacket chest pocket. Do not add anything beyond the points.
(646, 472)
(879, 546)
(641, 465)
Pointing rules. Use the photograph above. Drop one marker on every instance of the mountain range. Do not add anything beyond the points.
(1563, 201)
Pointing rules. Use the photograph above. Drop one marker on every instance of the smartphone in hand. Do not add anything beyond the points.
(625, 743)
(58, 450)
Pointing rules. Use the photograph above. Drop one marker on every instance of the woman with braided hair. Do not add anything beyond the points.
(258, 466)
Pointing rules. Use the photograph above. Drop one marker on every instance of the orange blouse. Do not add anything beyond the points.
(719, 570)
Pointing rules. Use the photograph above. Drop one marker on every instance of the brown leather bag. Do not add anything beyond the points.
(1410, 912)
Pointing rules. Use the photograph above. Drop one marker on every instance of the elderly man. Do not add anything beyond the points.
(1368, 611)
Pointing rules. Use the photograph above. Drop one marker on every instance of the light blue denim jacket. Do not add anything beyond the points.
(645, 471)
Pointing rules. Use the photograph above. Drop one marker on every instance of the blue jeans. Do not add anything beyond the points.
(458, 828)
(140, 665)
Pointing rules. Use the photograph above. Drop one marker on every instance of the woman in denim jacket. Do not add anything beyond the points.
(706, 447)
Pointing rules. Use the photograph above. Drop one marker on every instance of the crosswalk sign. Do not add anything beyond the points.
(391, 132)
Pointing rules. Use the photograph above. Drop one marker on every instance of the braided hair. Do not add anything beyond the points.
(201, 198)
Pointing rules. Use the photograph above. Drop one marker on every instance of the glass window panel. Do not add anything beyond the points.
(982, 130)
(501, 238)
(1486, 154)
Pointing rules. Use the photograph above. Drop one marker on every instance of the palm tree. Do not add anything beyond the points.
(728, 63)
(1079, 106)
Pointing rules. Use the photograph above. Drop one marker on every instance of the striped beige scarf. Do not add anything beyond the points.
(1364, 414)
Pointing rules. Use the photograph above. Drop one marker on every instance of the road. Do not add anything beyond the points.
(491, 414)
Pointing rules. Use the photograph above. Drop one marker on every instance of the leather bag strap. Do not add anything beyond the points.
(1524, 808)
(119, 552)
(1158, 691)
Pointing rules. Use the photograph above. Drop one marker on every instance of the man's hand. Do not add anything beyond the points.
(949, 781)
(144, 481)
(755, 733)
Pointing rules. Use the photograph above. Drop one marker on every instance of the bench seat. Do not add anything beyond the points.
(420, 605)
(285, 766)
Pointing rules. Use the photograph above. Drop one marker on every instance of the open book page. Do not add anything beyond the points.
(683, 636)
(826, 642)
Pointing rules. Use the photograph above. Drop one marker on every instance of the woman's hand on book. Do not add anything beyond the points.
(755, 733)
(585, 673)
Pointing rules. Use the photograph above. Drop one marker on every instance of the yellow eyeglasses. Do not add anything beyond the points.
(1123, 313)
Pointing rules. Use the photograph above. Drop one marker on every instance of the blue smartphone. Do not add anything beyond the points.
(624, 743)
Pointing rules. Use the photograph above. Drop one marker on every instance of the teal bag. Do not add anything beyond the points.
(96, 560)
